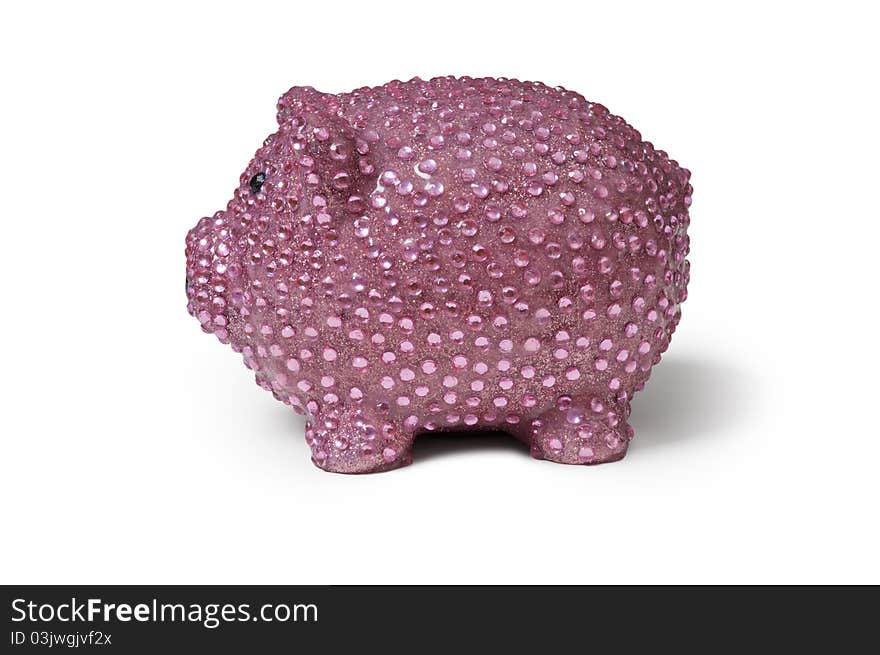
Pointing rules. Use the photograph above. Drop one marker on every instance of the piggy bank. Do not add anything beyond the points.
(456, 254)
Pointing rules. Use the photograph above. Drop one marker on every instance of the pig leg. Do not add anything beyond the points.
(588, 430)
(355, 440)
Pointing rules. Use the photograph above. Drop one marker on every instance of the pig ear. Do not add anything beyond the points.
(301, 103)
(332, 146)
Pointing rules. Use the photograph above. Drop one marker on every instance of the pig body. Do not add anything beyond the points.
(453, 254)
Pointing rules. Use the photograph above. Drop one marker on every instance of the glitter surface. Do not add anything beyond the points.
(453, 254)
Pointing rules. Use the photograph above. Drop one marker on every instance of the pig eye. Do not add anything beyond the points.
(256, 183)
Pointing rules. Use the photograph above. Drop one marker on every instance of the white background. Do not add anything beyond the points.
(136, 449)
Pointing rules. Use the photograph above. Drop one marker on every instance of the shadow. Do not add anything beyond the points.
(688, 397)
(430, 445)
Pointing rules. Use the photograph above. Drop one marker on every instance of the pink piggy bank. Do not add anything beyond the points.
(448, 255)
